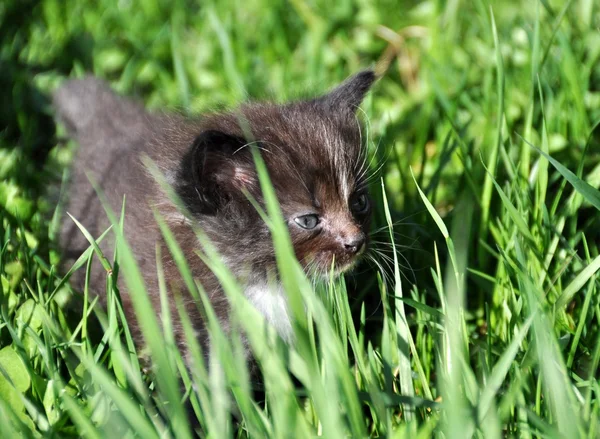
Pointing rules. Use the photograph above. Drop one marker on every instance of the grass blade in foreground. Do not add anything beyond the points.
(453, 362)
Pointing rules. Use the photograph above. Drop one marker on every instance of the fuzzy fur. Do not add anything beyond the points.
(313, 152)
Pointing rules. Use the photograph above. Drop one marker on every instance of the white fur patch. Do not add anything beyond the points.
(271, 302)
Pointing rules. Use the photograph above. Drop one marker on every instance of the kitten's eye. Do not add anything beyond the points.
(359, 203)
(307, 221)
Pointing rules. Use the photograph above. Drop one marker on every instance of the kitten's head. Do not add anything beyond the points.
(314, 154)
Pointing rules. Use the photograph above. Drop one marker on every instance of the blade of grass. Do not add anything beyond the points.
(591, 194)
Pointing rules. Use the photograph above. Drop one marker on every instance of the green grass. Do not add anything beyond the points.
(481, 316)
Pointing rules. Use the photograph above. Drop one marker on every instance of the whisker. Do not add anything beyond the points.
(390, 262)
(382, 270)
(250, 144)
(390, 246)
(386, 228)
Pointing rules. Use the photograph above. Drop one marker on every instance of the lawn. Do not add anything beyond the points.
(477, 313)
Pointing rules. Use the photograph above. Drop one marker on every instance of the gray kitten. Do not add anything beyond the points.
(312, 149)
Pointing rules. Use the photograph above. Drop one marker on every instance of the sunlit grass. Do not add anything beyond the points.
(479, 314)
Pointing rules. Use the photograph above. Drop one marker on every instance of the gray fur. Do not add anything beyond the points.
(312, 150)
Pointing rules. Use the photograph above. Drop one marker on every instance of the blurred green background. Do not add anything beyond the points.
(198, 56)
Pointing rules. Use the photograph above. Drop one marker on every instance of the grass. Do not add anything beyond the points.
(480, 316)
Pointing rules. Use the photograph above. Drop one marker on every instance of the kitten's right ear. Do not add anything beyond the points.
(349, 94)
(217, 168)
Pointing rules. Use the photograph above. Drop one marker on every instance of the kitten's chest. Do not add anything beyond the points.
(271, 302)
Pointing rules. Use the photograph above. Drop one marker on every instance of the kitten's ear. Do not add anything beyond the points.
(224, 159)
(216, 169)
(348, 95)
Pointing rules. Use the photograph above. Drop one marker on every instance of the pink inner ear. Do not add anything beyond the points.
(242, 177)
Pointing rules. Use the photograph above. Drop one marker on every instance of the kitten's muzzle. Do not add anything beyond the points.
(355, 244)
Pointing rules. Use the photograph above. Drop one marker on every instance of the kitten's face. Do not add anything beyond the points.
(321, 188)
(314, 154)
(333, 235)
(331, 232)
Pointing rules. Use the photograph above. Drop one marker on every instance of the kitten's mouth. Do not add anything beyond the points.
(327, 263)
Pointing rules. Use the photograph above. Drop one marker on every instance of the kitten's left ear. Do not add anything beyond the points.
(348, 95)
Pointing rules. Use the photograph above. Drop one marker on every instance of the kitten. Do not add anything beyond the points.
(312, 150)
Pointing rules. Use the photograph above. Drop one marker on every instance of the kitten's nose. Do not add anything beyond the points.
(355, 243)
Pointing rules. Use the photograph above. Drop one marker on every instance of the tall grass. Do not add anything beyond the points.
(476, 313)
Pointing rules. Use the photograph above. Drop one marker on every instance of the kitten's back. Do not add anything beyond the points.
(99, 119)
(110, 131)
